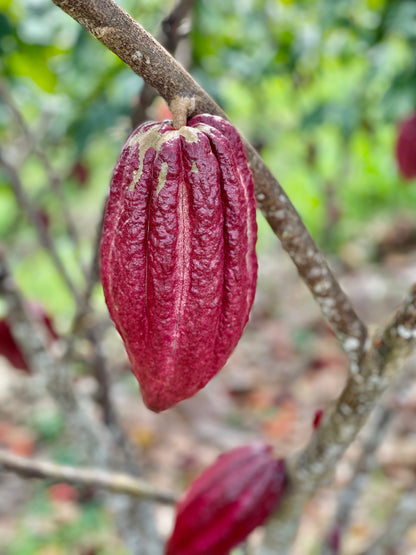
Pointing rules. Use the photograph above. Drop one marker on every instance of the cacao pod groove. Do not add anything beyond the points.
(178, 262)
(227, 501)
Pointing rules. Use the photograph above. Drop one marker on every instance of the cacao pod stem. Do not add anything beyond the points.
(181, 107)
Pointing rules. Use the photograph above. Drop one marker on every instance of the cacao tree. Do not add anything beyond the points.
(182, 203)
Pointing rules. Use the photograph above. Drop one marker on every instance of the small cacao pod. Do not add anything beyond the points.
(406, 148)
(227, 501)
(178, 262)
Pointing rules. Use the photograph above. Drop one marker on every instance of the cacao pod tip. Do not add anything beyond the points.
(228, 501)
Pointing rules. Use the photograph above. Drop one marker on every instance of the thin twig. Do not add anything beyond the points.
(83, 325)
(365, 463)
(93, 477)
(93, 276)
(172, 23)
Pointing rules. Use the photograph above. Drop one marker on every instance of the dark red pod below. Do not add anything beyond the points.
(406, 148)
(178, 262)
(227, 501)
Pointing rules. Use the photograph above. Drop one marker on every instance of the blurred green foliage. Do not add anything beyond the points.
(317, 86)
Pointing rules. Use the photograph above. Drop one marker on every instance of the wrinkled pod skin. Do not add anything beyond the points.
(178, 262)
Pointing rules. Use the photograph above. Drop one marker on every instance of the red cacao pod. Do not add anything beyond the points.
(227, 501)
(178, 262)
(406, 148)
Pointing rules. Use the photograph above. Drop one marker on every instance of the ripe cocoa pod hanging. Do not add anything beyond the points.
(178, 263)
(227, 501)
(406, 148)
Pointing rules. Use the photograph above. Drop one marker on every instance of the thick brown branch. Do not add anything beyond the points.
(120, 33)
(92, 477)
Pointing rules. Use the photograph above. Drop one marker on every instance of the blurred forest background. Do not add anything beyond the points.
(319, 87)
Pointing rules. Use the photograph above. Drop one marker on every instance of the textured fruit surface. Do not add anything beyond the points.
(406, 148)
(178, 263)
(227, 501)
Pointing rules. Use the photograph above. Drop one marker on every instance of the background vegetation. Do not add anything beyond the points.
(318, 87)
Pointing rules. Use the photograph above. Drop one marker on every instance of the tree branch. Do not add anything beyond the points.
(172, 23)
(93, 477)
(137, 48)
(390, 347)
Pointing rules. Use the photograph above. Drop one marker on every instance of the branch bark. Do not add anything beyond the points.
(116, 482)
(44, 237)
